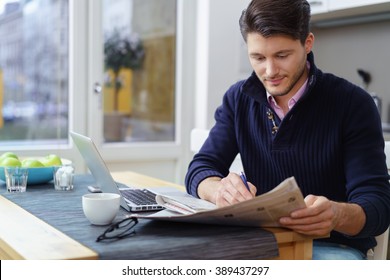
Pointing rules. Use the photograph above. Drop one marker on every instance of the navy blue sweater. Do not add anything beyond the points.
(331, 141)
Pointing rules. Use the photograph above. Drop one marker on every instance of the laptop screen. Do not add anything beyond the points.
(97, 166)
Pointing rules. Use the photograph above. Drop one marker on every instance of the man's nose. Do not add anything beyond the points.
(271, 68)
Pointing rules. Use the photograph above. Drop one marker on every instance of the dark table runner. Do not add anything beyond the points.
(153, 239)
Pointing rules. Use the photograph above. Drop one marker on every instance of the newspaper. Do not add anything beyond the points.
(261, 211)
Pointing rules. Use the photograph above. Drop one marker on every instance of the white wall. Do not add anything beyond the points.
(219, 55)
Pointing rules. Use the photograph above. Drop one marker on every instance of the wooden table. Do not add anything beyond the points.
(27, 237)
(292, 245)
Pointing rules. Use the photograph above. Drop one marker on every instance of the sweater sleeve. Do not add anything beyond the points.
(365, 165)
(219, 149)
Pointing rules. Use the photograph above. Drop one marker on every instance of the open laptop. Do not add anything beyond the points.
(132, 199)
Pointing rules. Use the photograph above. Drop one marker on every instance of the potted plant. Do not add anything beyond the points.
(119, 53)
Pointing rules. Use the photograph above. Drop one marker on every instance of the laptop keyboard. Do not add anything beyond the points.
(139, 196)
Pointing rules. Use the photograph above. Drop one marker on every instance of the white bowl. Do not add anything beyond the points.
(101, 208)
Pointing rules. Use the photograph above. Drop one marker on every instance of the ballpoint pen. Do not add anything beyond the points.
(243, 178)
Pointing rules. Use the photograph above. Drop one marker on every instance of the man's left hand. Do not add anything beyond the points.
(317, 219)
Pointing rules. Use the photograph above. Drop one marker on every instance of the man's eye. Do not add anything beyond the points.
(258, 58)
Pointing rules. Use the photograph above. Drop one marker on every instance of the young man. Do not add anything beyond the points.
(291, 119)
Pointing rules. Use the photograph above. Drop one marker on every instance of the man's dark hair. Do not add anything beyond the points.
(277, 17)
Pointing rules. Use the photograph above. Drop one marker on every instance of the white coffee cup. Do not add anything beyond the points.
(101, 208)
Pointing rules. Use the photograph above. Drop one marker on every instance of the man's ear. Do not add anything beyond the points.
(309, 43)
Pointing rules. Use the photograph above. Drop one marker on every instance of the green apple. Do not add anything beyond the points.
(32, 163)
(8, 154)
(51, 160)
(10, 162)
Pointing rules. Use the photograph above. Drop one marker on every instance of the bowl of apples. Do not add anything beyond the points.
(40, 169)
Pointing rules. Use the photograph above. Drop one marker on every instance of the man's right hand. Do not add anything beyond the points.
(225, 191)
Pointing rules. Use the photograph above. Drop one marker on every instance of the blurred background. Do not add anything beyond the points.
(138, 75)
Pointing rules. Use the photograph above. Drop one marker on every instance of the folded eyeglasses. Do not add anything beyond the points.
(119, 230)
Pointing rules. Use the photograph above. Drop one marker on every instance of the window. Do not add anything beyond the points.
(139, 87)
(34, 86)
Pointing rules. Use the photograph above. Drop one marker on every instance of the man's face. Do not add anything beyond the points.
(279, 62)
